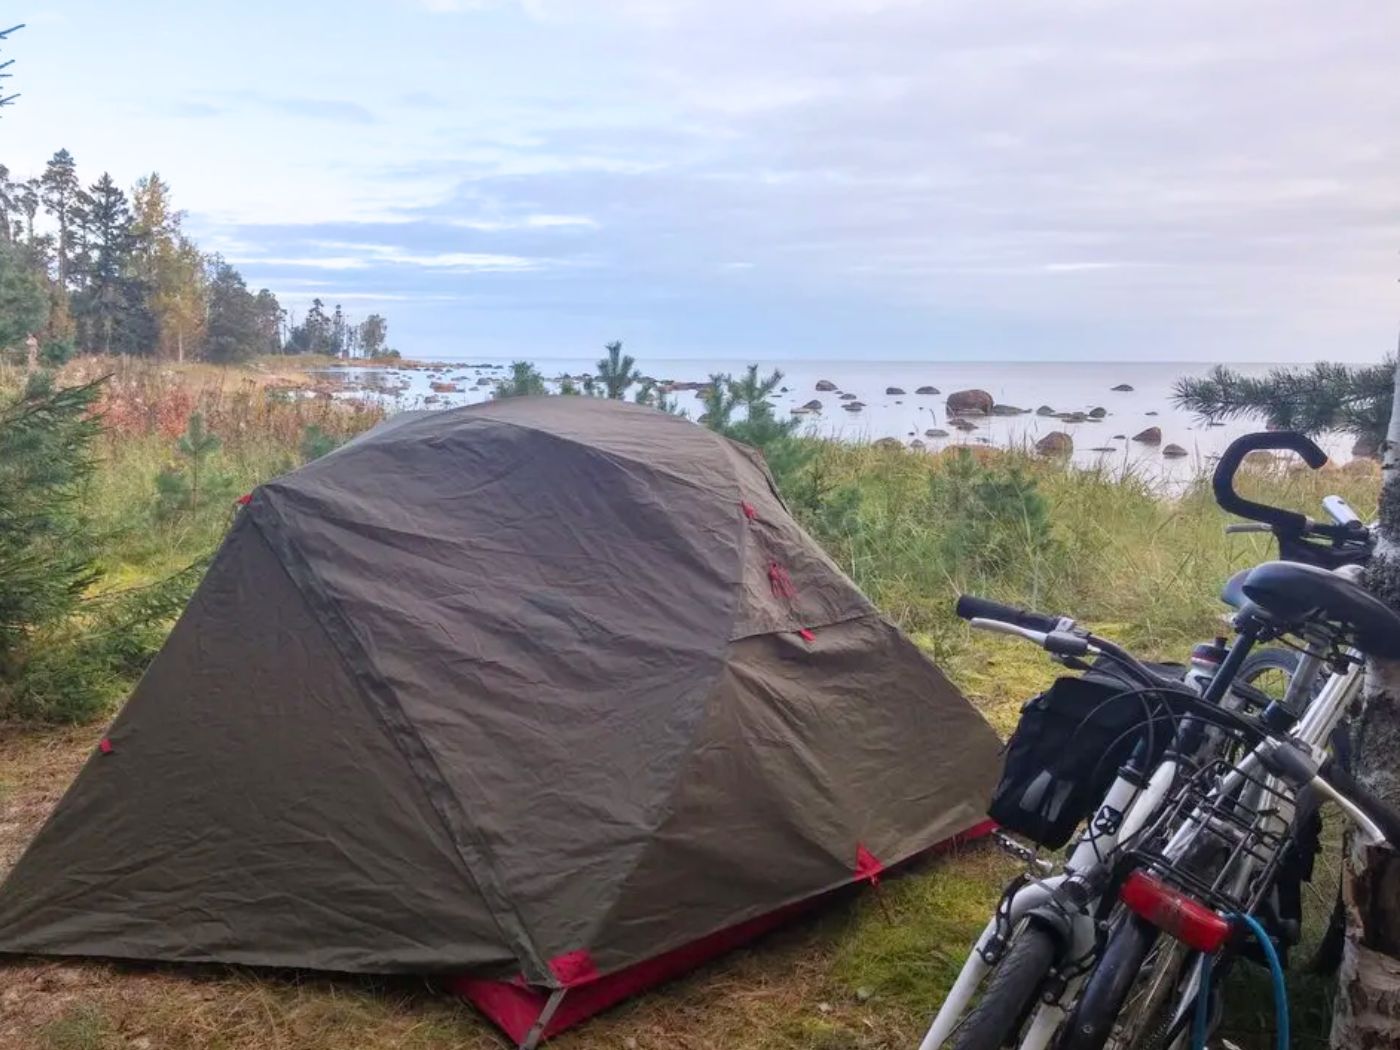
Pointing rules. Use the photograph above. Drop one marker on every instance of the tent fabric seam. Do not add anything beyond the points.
(400, 728)
(736, 587)
(606, 453)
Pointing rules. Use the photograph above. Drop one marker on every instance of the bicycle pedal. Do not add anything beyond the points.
(1024, 854)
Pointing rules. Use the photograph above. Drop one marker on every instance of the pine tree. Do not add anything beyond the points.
(6, 100)
(313, 335)
(62, 197)
(1353, 400)
(270, 316)
(46, 437)
(525, 381)
(110, 307)
(184, 489)
(24, 301)
(336, 345)
(10, 211)
(617, 372)
(234, 331)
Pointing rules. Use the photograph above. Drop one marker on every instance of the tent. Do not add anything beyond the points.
(547, 696)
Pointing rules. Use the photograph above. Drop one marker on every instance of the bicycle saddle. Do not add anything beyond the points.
(1293, 592)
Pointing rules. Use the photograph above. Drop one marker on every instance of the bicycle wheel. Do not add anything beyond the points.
(1270, 671)
(1122, 966)
(1010, 993)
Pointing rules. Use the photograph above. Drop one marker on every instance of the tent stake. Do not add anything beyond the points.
(532, 1038)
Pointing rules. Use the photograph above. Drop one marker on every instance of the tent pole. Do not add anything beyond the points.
(532, 1038)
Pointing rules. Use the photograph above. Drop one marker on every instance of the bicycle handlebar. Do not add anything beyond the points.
(1223, 481)
(970, 607)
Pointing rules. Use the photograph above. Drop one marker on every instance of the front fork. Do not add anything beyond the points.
(1122, 814)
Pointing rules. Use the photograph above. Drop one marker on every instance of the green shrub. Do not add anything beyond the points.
(46, 542)
(315, 443)
(192, 484)
(57, 352)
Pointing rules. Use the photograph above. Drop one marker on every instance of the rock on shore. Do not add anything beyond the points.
(970, 402)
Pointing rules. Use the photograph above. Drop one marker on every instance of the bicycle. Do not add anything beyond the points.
(1206, 869)
(1043, 940)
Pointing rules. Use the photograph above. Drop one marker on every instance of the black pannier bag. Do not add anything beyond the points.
(1066, 750)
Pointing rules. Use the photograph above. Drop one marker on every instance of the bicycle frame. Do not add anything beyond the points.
(1314, 728)
(1126, 808)
(1125, 811)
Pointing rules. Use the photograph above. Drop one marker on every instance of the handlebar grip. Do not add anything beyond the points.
(1223, 481)
(970, 607)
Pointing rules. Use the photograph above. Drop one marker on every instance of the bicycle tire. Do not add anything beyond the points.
(1010, 992)
(1091, 1022)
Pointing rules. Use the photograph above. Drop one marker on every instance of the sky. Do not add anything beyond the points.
(777, 179)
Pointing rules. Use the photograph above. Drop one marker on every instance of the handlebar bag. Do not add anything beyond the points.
(1066, 750)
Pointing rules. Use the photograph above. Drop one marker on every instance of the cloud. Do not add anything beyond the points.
(359, 256)
(337, 110)
(339, 262)
(528, 222)
(1090, 175)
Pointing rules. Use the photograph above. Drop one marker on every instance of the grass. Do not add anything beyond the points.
(912, 529)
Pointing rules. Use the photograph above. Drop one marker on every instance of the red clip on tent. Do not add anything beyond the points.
(548, 695)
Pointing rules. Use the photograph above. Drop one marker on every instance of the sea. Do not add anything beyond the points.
(908, 416)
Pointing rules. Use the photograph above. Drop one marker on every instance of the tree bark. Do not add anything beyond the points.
(1366, 1013)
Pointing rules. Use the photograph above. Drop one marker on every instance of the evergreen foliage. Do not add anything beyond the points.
(186, 487)
(118, 274)
(46, 436)
(616, 373)
(525, 381)
(1351, 399)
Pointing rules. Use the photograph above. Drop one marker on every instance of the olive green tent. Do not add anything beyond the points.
(549, 694)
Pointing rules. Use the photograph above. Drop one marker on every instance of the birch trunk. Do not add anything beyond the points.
(1367, 1009)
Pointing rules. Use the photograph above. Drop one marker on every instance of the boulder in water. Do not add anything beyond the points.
(1366, 447)
(1097, 413)
(853, 406)
(1150, 436)
(917, 444)
(970, 402)
(445, 388)
(813, 405)
(1046, 410)
(1124, 388)
(926, 390)
(962, 424)
(893, 390)
(935, 433)
(888, 443)
(848, 397)
(1174, 452)
(825, 385)
(1007, 410)
(1055, 443)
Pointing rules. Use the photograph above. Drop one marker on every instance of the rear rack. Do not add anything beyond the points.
(1225, 849)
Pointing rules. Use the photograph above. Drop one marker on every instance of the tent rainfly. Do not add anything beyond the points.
(549, 697)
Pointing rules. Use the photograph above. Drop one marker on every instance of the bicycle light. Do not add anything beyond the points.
(1174, 913)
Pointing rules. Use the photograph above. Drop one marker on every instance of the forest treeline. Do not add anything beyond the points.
(95, 269)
